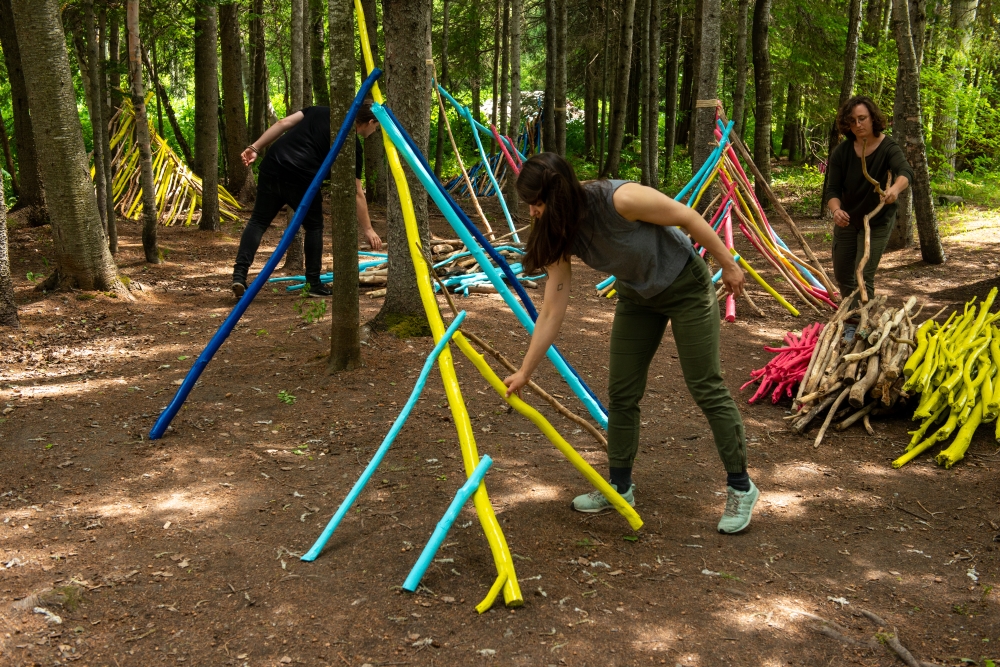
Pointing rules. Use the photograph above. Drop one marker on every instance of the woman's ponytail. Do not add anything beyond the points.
(548, 178)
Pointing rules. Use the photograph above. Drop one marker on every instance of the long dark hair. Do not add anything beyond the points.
(548, 178)
(847, 108)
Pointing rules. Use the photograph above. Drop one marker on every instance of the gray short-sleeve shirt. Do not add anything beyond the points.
(643, 256)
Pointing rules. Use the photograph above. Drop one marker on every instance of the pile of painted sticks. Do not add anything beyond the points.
(866, 371)
(460, 271)
(371, 265)
(787, 368)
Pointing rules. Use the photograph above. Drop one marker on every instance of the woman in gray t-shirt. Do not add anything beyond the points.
(638, 234)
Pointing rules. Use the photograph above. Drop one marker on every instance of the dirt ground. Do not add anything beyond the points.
(184, 550)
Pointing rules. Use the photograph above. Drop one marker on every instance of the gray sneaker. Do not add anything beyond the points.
(739, 507)
(595, 501)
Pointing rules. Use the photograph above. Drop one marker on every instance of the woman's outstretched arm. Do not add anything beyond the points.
(638, 202)
(547, 326)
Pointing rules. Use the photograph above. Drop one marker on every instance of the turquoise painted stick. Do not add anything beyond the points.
(444, 525)
(359, 486)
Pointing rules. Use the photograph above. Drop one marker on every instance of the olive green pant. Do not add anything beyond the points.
(849, 248)
(689, 304)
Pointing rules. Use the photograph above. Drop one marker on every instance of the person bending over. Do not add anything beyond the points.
(301, 142)
(852, 197)
(637, 234)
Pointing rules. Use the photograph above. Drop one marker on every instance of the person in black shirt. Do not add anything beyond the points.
(852, 197)
(301, 142)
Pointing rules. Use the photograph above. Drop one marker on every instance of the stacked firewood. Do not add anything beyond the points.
(865, 373)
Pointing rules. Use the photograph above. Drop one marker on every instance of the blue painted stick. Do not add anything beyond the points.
(444, 525)
(160, 427)
(447, 208)
(604, 283)
(359, 486)
(476, 124)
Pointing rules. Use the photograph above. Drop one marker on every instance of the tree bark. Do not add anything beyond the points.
(82, 258)
(642, 9)
(846, 82)
(317, 52)
(114, 60)
(85, 27)
(790, 131)
(8, 157)
(945, 138)
(206, 110)
(910, 136)
(686, 101)
(591, 106)
(149, 222)
(8, 307)
(605, 63)
(407, 26)
(653, 94)
(307, 71)
(161, 93)
(873, 21)
(345, 343)
(29, 175)
(708, 82)
(762, 85)
(514, 126)
(376, 168)
(239, 178)
(297, 29)
(108, 112)
(670, 87)
(742, 66)
(476, 78)
(258, 96)
(443, 75)
(549, 105)
(617, 121)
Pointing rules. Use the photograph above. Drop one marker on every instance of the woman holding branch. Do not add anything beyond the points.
(638, 234)
(852, 196)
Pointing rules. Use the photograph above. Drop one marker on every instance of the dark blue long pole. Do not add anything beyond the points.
(168, 414)
(488, 247)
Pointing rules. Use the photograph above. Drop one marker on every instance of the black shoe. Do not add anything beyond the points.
(239, 287)
(319, 290)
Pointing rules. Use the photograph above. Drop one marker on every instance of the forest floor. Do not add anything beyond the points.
(184, 550)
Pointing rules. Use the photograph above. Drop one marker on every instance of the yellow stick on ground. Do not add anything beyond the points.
(470, 456)
(550, 432)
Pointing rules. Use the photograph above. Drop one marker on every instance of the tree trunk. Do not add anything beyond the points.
(560, 85)
(407, 26)
(653, 94)
(617, 121)
(910, 136)
(8, 157)
(206, 110)
(708, 82)
(873, 20)
(790, 131)
(82, 258)
(297, 29)
(317, 51)
(156, 74)
(762, 85)
(686, 101)
(514, 127)
(29, 175)
(642, 81)
(307, 71)
(239, 178)
(8, 307)
(742, 66)
(88, 57)
(590, 87)
(107, 112)
(114, 60)
(345, 343)
(171, 116)
(376, 167)
(902, 233)
(605, 63)
(670, 87)
(504, 66)
(476, 78)
(258, 97)
(149, 221)
(846, 83)
(549, 108)
(443, 75)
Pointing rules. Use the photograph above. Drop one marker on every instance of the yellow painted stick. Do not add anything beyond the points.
(536, 418)
(487, 517)
(491, 597)
(760, 281)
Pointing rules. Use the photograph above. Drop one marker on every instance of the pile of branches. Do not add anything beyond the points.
(178, 190)
(866, 373)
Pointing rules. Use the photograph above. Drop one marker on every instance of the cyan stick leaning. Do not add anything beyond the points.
(444, 525)
(359, 486)
(168, 414)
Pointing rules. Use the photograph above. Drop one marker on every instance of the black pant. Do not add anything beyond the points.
(272, 194)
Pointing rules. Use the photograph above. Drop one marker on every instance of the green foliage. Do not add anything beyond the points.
(286, 398)
(310, 310)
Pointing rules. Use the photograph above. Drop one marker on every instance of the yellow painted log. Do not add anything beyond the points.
(763, 283)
